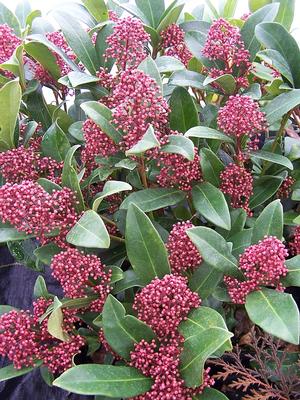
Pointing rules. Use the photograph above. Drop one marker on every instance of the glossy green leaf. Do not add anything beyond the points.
(8, 17)
(78, 39)
(275, 312)
(48, 185)
(171, 17)
(45, 253)
(106, 380)
(269, 222)
(272, 157)
(274, 36)
(168, 64)
(266, 13)
(210, 202)
(123, 331)
(152, 9)
(153, 199)
(184, 114)
(240, 241)
(281, 104)
(238, 219)
(278, 61)
(9, 233)
(89, 231)
(204, 280)
(40, 288)
(101, 46)
(55, 143)
(97, 8)
(41, 53)
(285, 13)
(229, 8)
(23, 9)
(101, 115)
(55, 322)
(76, 79)
(129, 280)
(264, 188)
(180, 145)
(293, 276)
(15, 65)
(10, 372)
(109, 188)
(211, 166)
(10, 100)
(141, 238)
(187, 78)
(204, 132)
(147, 142)
(149, 67)
(210, 394)
(226, 82)
(214, 250)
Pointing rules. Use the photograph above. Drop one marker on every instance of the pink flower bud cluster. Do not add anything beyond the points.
(8, 44)
(29, 208)
(224, 43)
(41, 74)
(241, 116)
(237, 182)
(183, 254)
(127, 43)
(177, 171)
(24, 163)
(81, 275)
(162, 365)
(286, 188)
(174, 44)
(97, 143)
(294, 245)
(164, 303)
(137, 103)
(24, 339)
(262, 265)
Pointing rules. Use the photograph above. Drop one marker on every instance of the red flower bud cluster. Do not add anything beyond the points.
(8, 44)
(286, 188)
(29, 208)
(183, 254)
(174, 44)
(81, 275)
(237, 182)
(294, 245)
(262, 265)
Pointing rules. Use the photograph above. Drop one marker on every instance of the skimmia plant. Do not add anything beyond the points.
(149, 158)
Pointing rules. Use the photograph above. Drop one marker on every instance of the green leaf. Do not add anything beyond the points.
(214, 250)
(180, 145)
(293, 276)
(77, 79)
(281, 104)
(204, 280)
(272, 157)
(55, 143)
(55, 322)
(106, 380)
(97, 8)
(116, 273)
(89, 231)
(9, 233)
(10, 100)
(240, 241)
(147, 142)
(229, 8)
(141, 238)
(69, 178)
(197, 349)
(227, 82)
(278, 61)
(184, 114)
(46, 253)
(10, 372)
(8, 17)
(269, 222)
(275, 312)
(274, 36)
(171, 17)
(153, 199)
(101, 115)
(210, 394)
(15, 65)
(123, 331)
(285, 15)
(168, 64)
(264, 188)
(211, 166)
(101, 46)
(129, 280)
(32, 16)
(187, 78)
(149, 67)
(266, 13)
(210, 202)
(41, 53)
(109, 188)
(204, 132)
(48, 185)
(23, 8)
(152, 9)
(78, 39)
(40, 288)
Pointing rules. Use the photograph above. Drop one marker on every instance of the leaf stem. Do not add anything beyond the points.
(109, 221)
(117, 239)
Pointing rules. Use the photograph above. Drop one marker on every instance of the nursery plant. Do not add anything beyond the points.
(150, 159)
